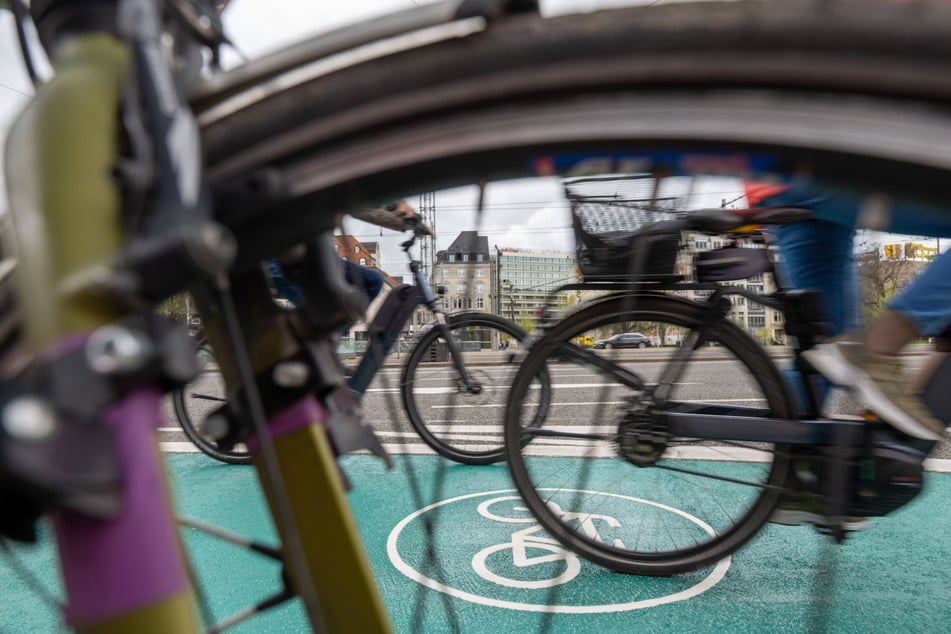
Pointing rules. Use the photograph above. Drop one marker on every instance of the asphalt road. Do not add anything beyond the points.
(713, 379)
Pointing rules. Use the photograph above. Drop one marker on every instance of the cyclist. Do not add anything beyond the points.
(815, 253)
(818, 254)
(393, 216)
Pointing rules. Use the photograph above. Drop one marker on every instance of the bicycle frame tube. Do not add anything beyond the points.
(729, 423)
(145, 584)
(343, 580)
(385, 330)
(332, 552)
(429, 298)
(66, 215)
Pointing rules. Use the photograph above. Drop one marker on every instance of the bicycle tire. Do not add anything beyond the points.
(212, 390)
(734, 74)
(686, 506)
(467, 439)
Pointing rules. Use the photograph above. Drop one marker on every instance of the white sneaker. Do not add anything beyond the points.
(878, 379)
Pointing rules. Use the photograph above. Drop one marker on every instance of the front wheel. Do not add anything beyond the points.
(607, 479)
(460, 421)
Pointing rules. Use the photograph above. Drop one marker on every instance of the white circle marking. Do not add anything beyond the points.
(705, 584)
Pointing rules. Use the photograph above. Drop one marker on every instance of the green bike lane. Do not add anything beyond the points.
(892, 577)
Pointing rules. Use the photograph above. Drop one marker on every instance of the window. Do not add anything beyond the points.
(462, 288)
(465, 257)
(336, 247)
(480, 303)
(445, 273)
(462, 273)
(757, 321)
(363, 261)
(451, 258)
(479, 257)
(480, 288)
(356, 248)
(479, 272)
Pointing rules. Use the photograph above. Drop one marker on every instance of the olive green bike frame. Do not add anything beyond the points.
(130, 573)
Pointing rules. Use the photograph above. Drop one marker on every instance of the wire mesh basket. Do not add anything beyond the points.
(623, 232)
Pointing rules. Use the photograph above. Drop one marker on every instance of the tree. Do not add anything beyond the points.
(881, 276)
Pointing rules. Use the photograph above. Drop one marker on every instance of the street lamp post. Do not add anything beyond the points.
(498, 280)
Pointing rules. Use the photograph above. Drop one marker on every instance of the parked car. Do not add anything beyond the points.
(624, 340)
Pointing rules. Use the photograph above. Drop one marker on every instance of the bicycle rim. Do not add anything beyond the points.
(192, 404)
(459, 422)
(604, 477)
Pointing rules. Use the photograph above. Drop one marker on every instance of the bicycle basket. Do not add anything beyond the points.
(625, 240)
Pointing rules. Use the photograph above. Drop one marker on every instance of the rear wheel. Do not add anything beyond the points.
(605, 477)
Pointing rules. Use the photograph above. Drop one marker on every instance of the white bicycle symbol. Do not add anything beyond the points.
(525, 540)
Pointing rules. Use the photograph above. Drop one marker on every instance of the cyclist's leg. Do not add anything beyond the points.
(817, 253)
(367, 278)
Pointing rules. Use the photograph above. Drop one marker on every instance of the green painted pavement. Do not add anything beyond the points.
(892, 577)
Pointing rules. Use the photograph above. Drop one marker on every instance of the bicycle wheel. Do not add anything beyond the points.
(465, 423)
(193, 403)
(732, 76)
(606, 479)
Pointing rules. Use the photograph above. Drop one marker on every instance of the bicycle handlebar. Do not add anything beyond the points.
(418, 227)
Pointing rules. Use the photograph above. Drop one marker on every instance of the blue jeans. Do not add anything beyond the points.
(369, 279)
(818, 254)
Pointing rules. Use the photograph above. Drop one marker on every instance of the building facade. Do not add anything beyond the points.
(514, 282)
(525, 279)
(464, 271)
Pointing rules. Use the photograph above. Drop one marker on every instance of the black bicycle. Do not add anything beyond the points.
(664, 463)
(454, 384)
